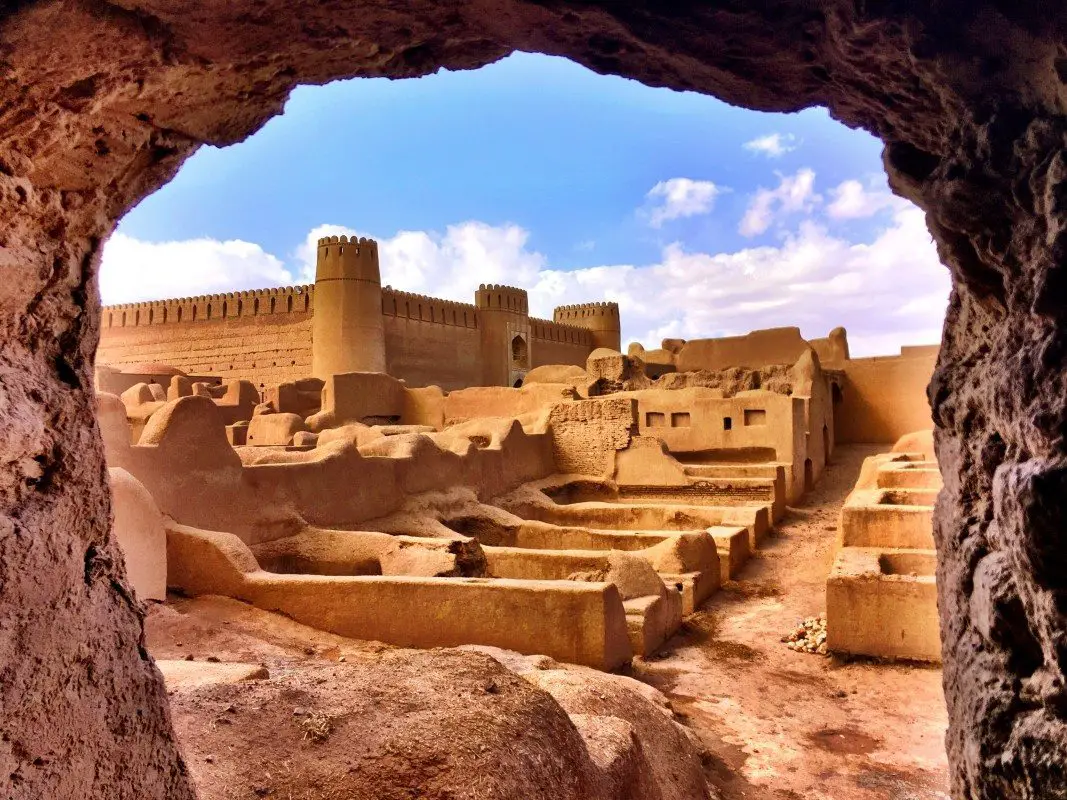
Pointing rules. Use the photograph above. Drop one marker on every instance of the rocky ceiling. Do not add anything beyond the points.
(101, 101)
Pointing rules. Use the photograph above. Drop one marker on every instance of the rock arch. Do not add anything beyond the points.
(969, 98)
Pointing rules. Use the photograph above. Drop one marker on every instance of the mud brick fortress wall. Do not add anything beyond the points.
(263, 335)
(347, 322)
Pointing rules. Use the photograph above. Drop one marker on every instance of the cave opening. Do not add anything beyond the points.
(194, 79)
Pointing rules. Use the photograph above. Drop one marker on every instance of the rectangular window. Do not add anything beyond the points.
(653, 419)
(755, 416)
(680, 419)
(727, 423)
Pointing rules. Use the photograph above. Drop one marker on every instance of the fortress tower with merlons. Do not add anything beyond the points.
(348, 322)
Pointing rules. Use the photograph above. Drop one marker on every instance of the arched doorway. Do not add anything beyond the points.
(520, 353)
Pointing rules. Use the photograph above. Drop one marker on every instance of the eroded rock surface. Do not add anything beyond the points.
(101, 102)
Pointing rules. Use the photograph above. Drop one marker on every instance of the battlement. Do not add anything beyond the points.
(497, 297)
(211, 307)
(342, 258)
(549, 331)
(424, 308)
(362, 241)
(583, 313)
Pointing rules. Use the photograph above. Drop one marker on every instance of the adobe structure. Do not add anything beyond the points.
(580, 517)
(347, 322)
(966, 97)
(607, 499)
(881, 594)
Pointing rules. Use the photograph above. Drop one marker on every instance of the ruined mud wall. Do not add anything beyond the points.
(884, 397)
(103, 102)
(753, 350)
(586, 434)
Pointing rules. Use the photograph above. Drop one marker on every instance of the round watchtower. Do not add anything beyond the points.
(504, 330)
(600, 319)
(347, 329)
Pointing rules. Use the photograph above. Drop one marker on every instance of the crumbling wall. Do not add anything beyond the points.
(587, 434)
(753, 350)
(103, 103)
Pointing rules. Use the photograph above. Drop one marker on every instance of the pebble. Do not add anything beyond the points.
(809, 636)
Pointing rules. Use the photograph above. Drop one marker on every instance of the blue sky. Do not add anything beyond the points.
(701, 219)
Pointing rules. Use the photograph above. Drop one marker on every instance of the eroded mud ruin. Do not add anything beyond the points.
(593, 494)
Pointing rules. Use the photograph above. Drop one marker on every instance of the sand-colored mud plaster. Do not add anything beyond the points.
(493, 401)
(138, 527)
(870, 400)
(884, 397)
(586, 434)
(968, 97)
(578, 622)
(756, 349)
(881, 594)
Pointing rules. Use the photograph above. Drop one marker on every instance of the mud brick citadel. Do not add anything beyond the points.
(394, 468)
(346, 322)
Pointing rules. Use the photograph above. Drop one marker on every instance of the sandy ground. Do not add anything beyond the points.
(785, 725)
(776, 724)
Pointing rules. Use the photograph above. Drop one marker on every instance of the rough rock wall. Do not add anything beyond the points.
(101, 102)
(998, 399)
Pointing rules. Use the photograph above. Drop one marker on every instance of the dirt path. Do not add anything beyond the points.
(780, 724)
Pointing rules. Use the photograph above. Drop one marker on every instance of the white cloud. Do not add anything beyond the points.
(773, 145)
(678, 198)
(852, 200)
(887, 292)
(793, 194)
(133, 270)
(448, 265)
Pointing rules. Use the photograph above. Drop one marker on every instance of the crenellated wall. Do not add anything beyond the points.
(263, 336)
(253, 303)
(600, 319)
(266, 336)
(428, 309)
(556, 343)
(429, 341)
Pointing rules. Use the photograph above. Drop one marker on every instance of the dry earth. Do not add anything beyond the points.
(776, 724)
(784, 725)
